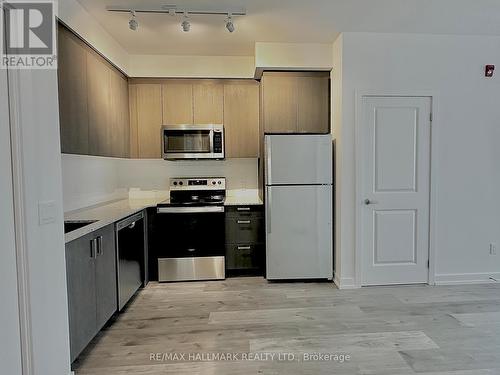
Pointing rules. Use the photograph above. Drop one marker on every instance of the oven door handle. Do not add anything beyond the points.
(189, 210)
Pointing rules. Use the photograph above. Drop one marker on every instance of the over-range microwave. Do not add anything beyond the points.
(193, 141)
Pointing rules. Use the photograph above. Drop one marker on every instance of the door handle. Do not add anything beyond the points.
(244, 247)
(243, 221)
(243, 209)
(368, 202)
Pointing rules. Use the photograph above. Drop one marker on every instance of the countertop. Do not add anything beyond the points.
(111, 212)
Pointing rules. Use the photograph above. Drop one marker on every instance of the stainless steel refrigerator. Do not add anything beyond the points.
(299, 189)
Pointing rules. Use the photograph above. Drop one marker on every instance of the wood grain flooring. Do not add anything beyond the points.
(178, 328)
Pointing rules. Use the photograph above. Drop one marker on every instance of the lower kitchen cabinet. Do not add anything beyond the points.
(91, 284)
(245, 239)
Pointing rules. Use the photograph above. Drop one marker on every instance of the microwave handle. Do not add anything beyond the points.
(211, 141)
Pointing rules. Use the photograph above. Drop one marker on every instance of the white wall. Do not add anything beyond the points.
(191, 66)
(467, 129)
(37, 118)
(89, 180)
(292, 56)
(10, 345)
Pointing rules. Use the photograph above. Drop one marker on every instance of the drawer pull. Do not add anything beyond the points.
(243, 221)
(244, 247)
(243, 209)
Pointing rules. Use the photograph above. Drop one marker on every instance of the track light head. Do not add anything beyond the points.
(186, 25)
(229, 23)
(133, 24)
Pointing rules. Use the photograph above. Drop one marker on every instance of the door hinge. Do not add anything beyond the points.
(428, 263)
(430, 116)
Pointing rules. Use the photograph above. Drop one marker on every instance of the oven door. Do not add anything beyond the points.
(190, 243)
(190, 231)
(187, 142)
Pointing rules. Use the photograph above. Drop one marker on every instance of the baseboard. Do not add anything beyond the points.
(345, 282)
(466, 278)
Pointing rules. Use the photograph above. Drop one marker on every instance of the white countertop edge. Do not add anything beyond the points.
(117, 213)
(71, 236)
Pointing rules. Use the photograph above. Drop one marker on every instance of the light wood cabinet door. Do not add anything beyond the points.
(279, 103)
(241, 120)
(313, 110)
(148, 119)
(296, 102)
(177, 103)
(98, 88)
(119, 112)
(208, 103)
(72, 76)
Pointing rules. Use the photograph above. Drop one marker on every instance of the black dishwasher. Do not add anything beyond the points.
(131, 257)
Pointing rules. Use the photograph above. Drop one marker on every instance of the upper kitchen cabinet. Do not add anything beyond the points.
(145, 120)
(279, 103)
(72, 77)
(313, 110)
(99, 103)
(119, 115)
(192, 102)
(296, 102)
(241, 119)
(208, 103)
(177, 103)
(93, 100)
(157, 102)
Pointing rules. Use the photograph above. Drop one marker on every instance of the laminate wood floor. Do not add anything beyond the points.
(181, 328)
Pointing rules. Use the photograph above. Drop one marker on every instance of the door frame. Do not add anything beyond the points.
(433, 172)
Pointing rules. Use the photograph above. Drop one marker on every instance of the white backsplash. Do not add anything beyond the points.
(89, 180)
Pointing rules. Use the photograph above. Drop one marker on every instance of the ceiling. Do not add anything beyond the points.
(294, 21)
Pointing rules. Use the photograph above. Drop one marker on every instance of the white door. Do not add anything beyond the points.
(299, 232)
(394, 139)
(298, 159)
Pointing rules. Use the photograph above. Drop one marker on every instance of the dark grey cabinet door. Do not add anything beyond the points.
(105, 271)
(80, 274)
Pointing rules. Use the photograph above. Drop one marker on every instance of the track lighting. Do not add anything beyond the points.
(229, 23)
(133, 24)
(186, 25)
(173, 10)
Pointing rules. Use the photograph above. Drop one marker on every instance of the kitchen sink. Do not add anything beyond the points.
(70, 226)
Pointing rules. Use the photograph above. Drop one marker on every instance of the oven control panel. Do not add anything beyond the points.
(195, 183)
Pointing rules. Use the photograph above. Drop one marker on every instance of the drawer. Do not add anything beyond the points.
(244, 256)
(245, 211)
(244, 229)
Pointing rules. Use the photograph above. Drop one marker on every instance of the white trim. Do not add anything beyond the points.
(358, 105)
(345, 283)
(20, 222)
(466, 278)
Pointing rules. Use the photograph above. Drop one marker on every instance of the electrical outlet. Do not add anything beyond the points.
(493, 249)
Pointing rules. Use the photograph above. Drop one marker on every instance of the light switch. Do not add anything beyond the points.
(46, 212)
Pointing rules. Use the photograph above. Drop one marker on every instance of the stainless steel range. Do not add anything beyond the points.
(193, 221)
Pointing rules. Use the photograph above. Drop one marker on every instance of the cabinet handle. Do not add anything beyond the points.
(243, 221)
(92, 248)
(99, 245)
(244, 247)
(243, 209)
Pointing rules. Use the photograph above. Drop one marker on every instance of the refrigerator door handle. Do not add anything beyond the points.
(268, 161)
(268, 211)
